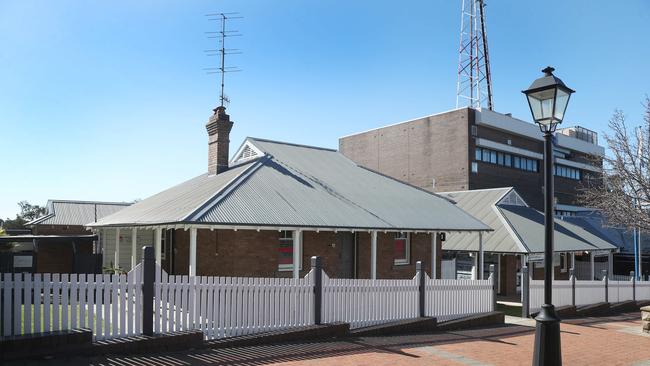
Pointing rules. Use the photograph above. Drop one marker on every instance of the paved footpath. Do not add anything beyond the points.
(615, 340)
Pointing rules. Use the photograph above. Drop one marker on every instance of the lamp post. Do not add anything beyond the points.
(548, 98)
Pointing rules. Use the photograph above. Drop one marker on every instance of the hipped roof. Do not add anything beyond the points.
(289, 185)
(517, 227)
(68, 212)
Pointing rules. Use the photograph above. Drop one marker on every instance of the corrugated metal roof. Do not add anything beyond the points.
(517, 229)
(528, 224)
(481, 203)
(302, 186)
(176, 203)
(66, 212)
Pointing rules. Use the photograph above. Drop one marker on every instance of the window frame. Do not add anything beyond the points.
(407, 246)
(289, 267)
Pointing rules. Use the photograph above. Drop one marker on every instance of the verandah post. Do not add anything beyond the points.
(606, 285)
(317, 269)
(148, 276)
(420, 275)
(572, 277)
(525, 293)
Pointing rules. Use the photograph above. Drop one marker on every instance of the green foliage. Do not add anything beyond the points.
(113, 269)
(28, 212)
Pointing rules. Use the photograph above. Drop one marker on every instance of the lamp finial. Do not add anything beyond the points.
(548, 70)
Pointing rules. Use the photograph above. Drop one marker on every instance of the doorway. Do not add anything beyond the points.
(346, 242)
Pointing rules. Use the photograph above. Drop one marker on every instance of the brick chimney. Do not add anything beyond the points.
(218, 127)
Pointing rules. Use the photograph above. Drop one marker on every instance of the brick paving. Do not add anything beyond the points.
(614, 340)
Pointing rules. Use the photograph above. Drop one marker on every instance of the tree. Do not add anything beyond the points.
(28, 212)
(622, 191)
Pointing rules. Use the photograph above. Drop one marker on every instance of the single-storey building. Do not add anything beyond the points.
(275, 204)
(58, 242)
(518, 238)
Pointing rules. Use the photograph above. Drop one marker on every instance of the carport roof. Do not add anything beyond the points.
(289, 185)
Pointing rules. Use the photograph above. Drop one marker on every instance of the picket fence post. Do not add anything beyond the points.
(420, 274)
(606, 285)
(525, 293)
(633, 276)
(148, 275)
(317, 269)
(572, 277)
(493, 277)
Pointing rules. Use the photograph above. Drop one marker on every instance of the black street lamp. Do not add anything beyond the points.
(548, 98)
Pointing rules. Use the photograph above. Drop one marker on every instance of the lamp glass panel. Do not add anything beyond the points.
(561, 103)
(541, 103)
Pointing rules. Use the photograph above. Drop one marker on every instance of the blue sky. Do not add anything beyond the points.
(108, 100)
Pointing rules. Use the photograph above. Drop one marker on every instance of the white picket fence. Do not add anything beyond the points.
(450, 299)
(588, 292)
(562, 293)
(368, 302)
(231, 306)
(110, 305)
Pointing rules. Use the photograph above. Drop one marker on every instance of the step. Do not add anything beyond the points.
(406, 326)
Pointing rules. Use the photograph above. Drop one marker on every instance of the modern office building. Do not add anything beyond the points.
(469, 148)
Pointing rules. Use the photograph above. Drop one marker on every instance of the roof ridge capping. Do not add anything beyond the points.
(253, 139)
(91, 202)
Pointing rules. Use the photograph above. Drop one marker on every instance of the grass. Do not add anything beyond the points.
(51, 320)
(509, 310)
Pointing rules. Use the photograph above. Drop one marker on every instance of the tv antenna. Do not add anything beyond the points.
(222, 51)
(474, 87)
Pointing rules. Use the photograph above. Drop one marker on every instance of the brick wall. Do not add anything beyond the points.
(417, 151)
(386, 268)
(60, 230)
(251, 253)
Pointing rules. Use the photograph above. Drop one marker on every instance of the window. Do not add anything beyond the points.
(402, 248)
(567, 172)
(285, 251)
(505, 159)
(474, 167)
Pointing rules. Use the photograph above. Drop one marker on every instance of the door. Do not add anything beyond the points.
(346, 244)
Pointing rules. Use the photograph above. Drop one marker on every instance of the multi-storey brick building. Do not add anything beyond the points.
(474, 149)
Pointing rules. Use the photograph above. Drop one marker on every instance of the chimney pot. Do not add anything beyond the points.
(218, 127)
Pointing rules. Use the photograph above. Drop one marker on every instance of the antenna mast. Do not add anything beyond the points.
(223, 51)
(474, 87)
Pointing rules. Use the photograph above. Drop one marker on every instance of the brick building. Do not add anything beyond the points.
(273, 205)
(60, 243)
(470, 148)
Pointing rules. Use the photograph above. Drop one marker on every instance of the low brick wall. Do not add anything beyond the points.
(45, 344)
(408, 326)
(478, 320)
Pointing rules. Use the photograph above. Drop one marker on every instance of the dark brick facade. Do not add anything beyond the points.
(442, 147)
(55, 256)
(249, 253)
